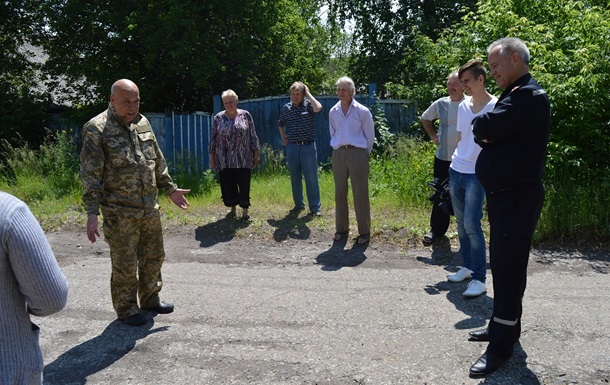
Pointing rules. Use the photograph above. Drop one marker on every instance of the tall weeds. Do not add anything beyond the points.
(577, 205)
(49, 172)
(576, 210)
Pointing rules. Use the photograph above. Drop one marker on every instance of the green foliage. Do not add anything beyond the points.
(23, 107)
(383, 137)
(181, 52)
(188, 173)
(569, 46)
(576, 206)
(404, 170)
(272, 162)
(568, 41)
(384, 29)
(50, 172)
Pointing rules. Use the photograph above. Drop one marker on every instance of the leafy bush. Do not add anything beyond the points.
(404, 170)
(576, 206)
(570, 58)
(187, 172)
(272, 162)
(383, 137)
(50, 172)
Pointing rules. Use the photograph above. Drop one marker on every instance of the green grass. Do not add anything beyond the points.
(576, 210)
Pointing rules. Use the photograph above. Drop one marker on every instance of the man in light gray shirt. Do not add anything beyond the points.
(445, 110)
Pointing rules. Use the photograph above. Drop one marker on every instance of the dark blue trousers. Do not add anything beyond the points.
(513, 216)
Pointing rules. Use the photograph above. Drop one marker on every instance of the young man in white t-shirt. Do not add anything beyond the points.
(467, 194)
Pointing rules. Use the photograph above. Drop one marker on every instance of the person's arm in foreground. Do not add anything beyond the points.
(41, 281)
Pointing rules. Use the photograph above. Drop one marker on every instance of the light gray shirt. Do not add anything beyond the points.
(31, 282)
(445, 111)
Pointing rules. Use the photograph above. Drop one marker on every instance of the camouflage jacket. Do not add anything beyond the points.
(122, 168)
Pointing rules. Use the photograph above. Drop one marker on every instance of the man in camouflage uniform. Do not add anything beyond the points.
(122, 169)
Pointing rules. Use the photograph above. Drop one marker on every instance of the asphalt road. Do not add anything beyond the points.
(304, 311)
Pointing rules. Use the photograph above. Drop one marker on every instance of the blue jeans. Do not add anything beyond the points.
(467, 196)
(303, 163)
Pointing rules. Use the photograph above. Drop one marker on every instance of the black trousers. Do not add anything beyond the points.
(439, 219)
(513, 216)
(235, 186)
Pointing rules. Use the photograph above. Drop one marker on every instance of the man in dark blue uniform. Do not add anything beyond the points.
(513, 137)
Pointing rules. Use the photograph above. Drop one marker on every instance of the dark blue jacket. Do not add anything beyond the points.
(517, 130)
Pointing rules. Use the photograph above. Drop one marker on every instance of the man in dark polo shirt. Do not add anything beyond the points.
(296, 125)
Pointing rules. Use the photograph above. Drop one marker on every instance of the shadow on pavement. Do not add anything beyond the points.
(441, 254)
(74, 366)
(338, 257)
(291, 226)
(478, 309)
(223, 230)
(513, 371)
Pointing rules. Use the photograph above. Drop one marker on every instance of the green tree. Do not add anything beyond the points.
(23, 106)
(570, 53)
(384, 29)
(568, 41)
(181, 52)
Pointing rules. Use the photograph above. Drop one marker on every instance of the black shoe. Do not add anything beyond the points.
(486, 364)
(478, 335)
(296, 210)
(135, 320)
(429, 239)
(161, 308)
(481, 336)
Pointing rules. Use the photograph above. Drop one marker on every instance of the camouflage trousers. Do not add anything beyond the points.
(137, 254)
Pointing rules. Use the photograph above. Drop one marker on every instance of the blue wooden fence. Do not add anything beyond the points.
(184, 138)
(186, 141)
(266, 112)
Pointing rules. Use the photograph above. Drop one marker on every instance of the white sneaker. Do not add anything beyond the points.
(462, 274)
(475, 288)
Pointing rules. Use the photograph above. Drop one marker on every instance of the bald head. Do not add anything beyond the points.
(125, 98)
(125, 85)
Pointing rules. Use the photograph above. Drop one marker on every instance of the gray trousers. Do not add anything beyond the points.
(353, 163)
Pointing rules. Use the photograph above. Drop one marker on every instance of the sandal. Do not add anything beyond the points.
(363, 239)
(339, 236)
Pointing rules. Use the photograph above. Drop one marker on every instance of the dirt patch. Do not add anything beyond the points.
(228, 241)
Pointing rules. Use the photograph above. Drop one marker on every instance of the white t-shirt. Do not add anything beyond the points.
(467, 151)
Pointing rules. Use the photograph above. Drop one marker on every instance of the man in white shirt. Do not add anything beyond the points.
(352, 135)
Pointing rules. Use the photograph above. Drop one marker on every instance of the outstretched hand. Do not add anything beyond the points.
(178, 198)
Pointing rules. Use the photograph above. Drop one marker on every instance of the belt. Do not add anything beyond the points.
(347, 146)
(302, 142)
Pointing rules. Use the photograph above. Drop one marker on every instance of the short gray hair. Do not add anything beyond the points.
(510, 45)
(347, 80)
(229, 93)
(455, 73)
